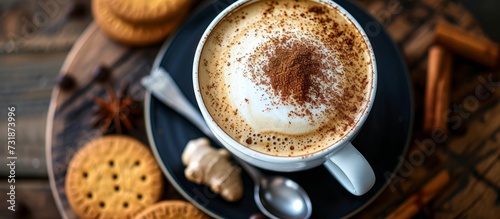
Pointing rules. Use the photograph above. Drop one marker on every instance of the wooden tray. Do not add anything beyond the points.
(68, 123)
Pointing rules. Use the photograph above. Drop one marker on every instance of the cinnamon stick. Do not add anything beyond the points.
(415, 202)
(443, 90)
(437, 93)
(460, 42)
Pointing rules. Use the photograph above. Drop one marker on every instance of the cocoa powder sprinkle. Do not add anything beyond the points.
(317, 10)
(292, 70)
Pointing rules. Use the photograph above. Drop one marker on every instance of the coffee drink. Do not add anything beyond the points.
(286, 78)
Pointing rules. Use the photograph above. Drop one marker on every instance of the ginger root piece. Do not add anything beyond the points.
(209, 166)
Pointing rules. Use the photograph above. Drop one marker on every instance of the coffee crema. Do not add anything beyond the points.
(286, 78)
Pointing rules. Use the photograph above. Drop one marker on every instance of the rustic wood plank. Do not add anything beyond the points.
(33, 198)
(453, 9)
(40, 26)
(469, 142)
(416, 47)
(488, 165)
(474, 200)
(28, 85)
(400, 28)
(419, 13)
(471, 155)
(435, 4)
(30, 152)
(28, 88)
(375, 7)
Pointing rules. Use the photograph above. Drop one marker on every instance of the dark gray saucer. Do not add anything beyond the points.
(382, 140)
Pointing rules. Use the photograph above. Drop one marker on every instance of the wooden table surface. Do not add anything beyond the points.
(31, 59)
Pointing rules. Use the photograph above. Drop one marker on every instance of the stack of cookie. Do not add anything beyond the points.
(116, 176)
(139, 22)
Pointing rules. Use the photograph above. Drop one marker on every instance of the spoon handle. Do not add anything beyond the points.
(163, 87)
(254, 173)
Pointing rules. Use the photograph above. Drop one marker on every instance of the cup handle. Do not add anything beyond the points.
(351, 169)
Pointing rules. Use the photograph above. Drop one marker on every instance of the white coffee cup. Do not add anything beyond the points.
(342, 159)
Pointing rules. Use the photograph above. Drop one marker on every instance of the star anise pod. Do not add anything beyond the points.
(117, 110)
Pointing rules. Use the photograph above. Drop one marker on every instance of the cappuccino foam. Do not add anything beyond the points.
(286, 78)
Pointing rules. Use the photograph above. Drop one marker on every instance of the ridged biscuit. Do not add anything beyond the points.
(141, 11)
(134, 34)
(113, 177)
(171, 210)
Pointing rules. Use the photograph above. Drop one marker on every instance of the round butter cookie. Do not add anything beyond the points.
(144, 11)
(134, 34)
(171, 210)
(113, 177)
